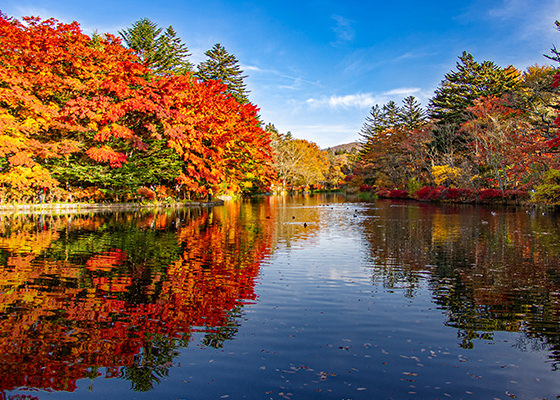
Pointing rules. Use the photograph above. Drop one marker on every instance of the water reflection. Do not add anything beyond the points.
(352, 297)
(490, 270)
(118, 294)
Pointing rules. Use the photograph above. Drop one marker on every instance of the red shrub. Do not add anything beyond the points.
(516, 194)
(398, 194)
(490, 194)
(424, 193)
(453, 193)
(383, 193)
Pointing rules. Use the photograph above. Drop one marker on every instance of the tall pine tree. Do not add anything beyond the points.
(471, 80)
(224, 66)
(412, 115)
(163, 53)
(458, 91)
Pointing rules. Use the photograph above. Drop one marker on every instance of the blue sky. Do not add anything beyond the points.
(316, 68)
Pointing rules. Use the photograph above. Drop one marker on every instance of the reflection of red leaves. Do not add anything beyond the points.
(107, 260)
(112, 285)
(97, 324)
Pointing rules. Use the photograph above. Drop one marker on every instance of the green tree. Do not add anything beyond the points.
(457, 92)
(459, 89)
(221, 65)
(391, 114)
(412, 115)
(164, 53)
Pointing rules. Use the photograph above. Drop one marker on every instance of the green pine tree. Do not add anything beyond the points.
(176, 54)
(163, 53)
(412, 116)
(224, 66)
(457, 92)
(373, 125)
(472, 80)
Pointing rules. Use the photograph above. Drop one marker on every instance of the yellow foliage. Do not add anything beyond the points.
(444, 173)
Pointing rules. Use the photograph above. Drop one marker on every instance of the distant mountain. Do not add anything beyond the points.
(353, 147)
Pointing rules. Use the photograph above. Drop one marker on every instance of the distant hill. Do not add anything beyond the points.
(353, 147)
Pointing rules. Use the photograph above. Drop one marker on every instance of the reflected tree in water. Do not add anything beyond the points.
(489, 271)
(119, 291)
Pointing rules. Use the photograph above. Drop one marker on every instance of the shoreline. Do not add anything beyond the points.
(73, 208)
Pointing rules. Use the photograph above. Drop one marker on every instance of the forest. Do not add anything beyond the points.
(488, 134)
(102, 118)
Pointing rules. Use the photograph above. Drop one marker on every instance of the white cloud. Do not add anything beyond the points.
(402, 92)
(362, 100)
(250, 68)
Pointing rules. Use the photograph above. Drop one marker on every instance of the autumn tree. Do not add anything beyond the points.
(300, 163)
(410, 115)
(33, 89)
(387, 157)
(503, 144)
(223, 66)
(458, 91)
(83, 112)
(539, 98)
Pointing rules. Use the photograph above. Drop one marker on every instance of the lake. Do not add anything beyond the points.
(311, 297)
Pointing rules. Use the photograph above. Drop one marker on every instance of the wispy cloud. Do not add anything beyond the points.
(360, 100)
(529, 20)
(343, 29)
(286, 81)
(369, 59)
(402, 92)
(250, 68)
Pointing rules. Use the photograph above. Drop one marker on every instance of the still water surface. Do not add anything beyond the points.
(309, 297)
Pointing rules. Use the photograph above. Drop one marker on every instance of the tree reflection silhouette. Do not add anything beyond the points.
(488, 277)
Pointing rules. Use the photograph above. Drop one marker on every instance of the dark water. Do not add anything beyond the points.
(365, 301)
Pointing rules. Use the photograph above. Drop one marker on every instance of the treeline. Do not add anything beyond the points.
(103, 118)
(302, 166)
(488, 133)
